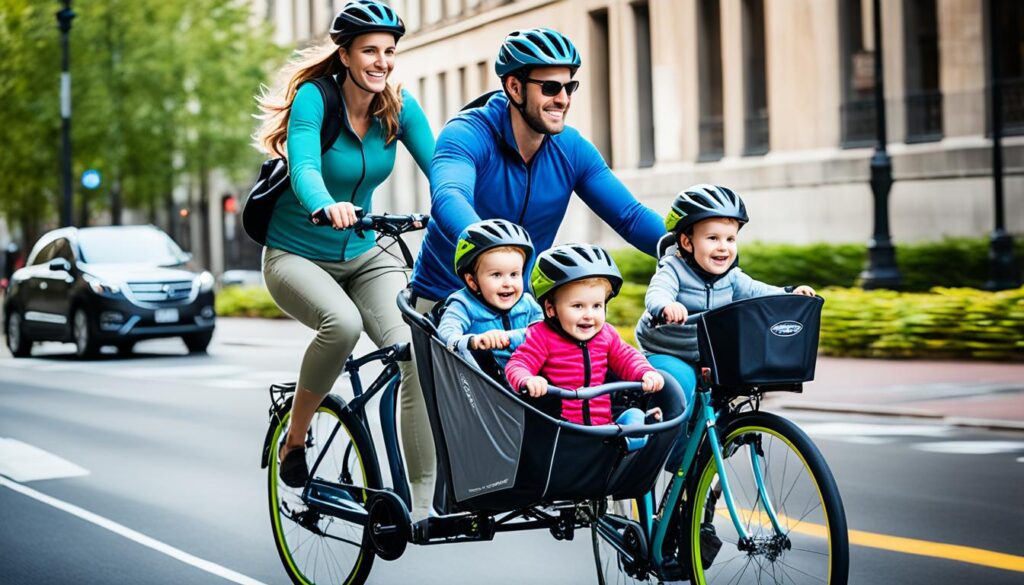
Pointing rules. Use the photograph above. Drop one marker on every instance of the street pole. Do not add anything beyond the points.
(881, 270)
(1002, 267)
(64, 17)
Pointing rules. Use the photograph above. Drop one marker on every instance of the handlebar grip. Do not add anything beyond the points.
(320, 217)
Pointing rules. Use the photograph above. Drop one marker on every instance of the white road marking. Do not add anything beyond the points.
(847, 429)
(23, 462)
(971, 447)
(130, 534)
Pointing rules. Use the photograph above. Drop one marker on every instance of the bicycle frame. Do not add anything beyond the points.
(700, 424)
(331, 497)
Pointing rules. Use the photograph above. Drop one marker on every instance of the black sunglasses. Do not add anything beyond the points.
(552, 88)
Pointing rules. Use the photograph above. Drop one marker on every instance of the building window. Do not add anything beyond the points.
(755, 134)
(1010, 52)
(644, 85)
(709, 48)
(485, 76)
(442, 97)
(923, 97)
(858, 75)
(601, 94)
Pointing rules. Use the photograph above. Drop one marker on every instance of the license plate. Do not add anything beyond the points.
(166, 316)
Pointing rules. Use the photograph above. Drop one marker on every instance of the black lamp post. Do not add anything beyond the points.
(64, 17)
(1002, 267)
(881, 270)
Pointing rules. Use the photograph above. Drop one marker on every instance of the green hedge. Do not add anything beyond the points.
(943, 323)
(953, 262)
(247, 301)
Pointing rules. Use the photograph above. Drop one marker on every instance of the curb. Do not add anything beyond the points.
(901, 412)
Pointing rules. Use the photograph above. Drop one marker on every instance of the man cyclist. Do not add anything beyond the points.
(514, 158)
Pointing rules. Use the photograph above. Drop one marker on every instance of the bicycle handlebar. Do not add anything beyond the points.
(391, 225)
(613, 430)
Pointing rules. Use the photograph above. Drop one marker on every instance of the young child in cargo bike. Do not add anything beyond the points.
(490, 312)
(698, 272)
(572, 348)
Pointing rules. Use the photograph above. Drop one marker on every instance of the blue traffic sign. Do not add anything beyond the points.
(91, 179)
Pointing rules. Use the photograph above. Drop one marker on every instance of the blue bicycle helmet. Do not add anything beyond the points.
(535, 47)
(701, 202)
(365, 16)
(567, 263)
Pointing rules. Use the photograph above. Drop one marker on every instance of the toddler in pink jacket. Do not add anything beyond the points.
(572, 347)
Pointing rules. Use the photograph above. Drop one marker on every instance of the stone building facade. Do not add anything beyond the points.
(770, 97)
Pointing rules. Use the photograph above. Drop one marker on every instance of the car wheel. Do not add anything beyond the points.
(86, 345)
(19, 343)
(197, 342)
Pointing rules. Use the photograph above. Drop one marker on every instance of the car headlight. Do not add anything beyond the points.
(205, 282)
(102, 287)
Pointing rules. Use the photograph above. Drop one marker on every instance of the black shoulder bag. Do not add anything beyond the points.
(274, 176)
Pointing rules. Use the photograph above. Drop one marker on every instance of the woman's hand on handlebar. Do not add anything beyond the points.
(341, 215)
(674, 313)
(652, 382)
(536, 386)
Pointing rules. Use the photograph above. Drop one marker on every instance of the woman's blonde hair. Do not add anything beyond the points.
(318, 60)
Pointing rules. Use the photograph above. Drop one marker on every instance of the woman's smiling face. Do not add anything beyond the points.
(370, 59)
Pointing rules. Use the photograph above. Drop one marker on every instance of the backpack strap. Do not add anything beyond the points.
(479, 101)
(330, 91)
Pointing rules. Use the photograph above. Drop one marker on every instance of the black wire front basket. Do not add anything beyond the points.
(761, 344)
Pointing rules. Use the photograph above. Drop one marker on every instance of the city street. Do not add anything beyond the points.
(154, 460)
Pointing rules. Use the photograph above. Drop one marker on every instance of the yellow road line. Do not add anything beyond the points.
(910, 546)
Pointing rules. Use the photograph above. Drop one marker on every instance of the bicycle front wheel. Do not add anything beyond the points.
(785, 498)
(314, 547)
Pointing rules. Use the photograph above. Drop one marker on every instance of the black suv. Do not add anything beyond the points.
(108, 286)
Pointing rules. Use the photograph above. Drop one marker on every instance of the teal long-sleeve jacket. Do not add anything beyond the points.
(349, 171)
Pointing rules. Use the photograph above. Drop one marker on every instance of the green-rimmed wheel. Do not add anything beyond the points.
(813, 545)
(316, 548)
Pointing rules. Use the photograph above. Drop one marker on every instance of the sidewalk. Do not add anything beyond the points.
(977, 394)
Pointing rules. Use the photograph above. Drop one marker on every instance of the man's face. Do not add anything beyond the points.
(545, 114)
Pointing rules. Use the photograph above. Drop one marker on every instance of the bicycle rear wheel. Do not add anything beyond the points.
(798, 488)
(316, 548)
(609, 535)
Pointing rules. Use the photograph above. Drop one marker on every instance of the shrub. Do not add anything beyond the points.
(247, 301)
(944, 323)
(953, 262)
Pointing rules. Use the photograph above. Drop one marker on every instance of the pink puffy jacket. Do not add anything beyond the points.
(573, 364)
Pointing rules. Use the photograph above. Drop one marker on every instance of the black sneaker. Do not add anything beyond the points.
(293, 470)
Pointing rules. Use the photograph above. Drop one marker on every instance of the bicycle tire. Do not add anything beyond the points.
(801, 490)
(309, 557)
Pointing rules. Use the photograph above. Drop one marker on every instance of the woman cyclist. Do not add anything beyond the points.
(334, 283)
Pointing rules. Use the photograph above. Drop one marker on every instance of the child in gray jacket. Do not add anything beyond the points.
(697, 273)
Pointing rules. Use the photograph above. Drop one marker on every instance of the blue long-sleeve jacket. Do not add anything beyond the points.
(465, 315)
(477, 173)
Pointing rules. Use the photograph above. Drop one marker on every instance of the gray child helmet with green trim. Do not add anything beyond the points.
(561, 265)
(486, 235)
(701, 202)
(365, 16)
(535, 47)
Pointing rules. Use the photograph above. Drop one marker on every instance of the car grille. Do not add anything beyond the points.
(161, 292)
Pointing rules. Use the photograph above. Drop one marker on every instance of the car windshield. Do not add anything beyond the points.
(141, 245)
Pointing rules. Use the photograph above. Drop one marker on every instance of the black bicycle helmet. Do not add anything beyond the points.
(571, 262)
(535, 47)
(365, 16)
(486, 235)
(701, 202)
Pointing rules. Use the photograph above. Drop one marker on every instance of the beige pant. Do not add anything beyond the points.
(340, 300)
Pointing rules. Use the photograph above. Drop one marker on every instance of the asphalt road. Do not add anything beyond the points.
(169, 490)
